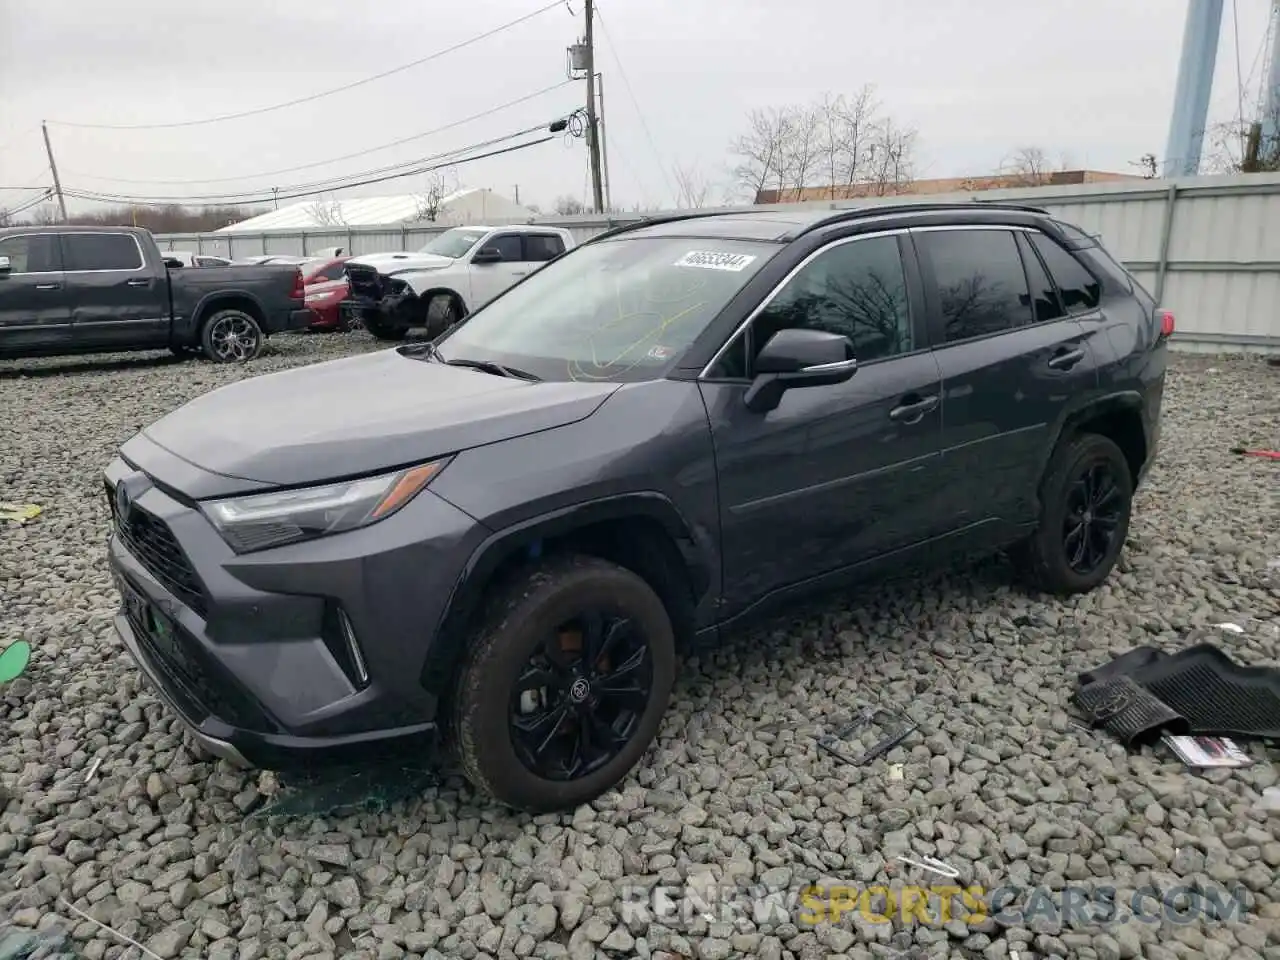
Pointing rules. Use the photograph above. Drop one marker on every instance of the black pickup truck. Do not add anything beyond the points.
(66, 290)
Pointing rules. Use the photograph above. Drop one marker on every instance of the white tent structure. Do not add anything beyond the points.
(474, 205)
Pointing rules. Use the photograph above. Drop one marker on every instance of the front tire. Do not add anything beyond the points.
(1084, 517)
(566, 685)
(231, 336)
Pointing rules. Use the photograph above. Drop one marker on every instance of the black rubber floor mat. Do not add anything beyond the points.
(1129, 712)
(1217, 696)
(1124, 665)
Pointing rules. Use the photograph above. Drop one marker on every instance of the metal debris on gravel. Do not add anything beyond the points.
(998, 783)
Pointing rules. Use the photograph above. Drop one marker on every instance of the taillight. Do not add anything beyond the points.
(299, 288)
(1166, 322)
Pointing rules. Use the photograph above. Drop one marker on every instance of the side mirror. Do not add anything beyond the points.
(5, 266)
(173, 263)
(798, 358)
(488, 255)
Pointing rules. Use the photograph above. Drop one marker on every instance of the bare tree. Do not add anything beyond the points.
(326, 213)
(692, 187)
(802, 149)
(841, 141)
(429, 204)
(848, 128)
(45, 216)
(761, 151)
(891, 158)
(1031, 167)
(1242, 147)
(569, 206)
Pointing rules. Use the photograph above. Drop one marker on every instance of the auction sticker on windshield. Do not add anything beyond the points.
(711, 260)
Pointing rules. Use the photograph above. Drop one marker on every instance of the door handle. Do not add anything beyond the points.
(1067, 359)
(913, 409)
(48, 286)
(137, 283)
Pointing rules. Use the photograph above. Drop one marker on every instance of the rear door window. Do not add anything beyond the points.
(980, 283)
(1079, 288)
(540, 247)
(1044, 297)
(33, 253)
(101, 251)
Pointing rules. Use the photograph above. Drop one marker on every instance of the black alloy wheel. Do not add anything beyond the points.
(581, 696)
(1095, 508)
(564, 683)
(1086, 499)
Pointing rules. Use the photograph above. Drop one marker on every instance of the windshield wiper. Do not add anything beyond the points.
(488, 366)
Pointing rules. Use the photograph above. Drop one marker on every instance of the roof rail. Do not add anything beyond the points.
(1011, 206)
(652, 221)
(935, 206)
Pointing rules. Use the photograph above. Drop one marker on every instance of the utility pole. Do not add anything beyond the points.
(593, 139)
(604, 144)
(53, 168)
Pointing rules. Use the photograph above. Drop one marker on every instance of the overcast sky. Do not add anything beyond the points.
(1090, 81)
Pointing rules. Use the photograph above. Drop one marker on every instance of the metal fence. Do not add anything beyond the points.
(1208, 248)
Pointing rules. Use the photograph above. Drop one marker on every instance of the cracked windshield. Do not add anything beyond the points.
(616, 310)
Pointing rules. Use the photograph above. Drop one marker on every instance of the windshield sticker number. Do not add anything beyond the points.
(710, 260)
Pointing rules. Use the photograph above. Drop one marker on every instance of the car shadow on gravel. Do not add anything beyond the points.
(62, 366)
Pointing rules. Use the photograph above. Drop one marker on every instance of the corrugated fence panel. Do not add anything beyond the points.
(1215, 262)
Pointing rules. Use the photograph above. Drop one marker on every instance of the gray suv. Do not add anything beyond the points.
(670, 428)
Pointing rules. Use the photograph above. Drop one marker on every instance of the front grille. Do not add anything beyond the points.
(364, 282)
(151, 541)
(177, 659)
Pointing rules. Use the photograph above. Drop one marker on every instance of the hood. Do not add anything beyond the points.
(361, 415)
(398, 262)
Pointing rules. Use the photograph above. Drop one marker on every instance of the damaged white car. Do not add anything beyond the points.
(454, 274)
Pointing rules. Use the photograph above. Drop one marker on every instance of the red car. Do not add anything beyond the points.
(326, 286)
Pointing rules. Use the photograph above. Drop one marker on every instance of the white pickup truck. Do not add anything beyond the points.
(457, 272)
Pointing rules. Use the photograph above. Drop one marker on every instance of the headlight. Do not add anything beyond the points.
(265, 520)
(322, 295)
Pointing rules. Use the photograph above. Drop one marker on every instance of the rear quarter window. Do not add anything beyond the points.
(1078, 288)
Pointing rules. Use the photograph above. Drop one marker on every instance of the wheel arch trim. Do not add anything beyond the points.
(528, 535)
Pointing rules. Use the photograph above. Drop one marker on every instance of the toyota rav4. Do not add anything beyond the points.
(669, 428)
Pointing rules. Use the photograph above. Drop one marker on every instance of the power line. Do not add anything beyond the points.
(315, 96)
(26, 205)
(613, 51)
(167, 201)
(347, 156)
(330, 183)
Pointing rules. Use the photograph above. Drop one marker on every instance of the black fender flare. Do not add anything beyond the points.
(210, 300)
(526, 537)
(1122, 401)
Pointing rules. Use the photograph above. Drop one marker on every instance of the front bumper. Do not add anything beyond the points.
(243, 649)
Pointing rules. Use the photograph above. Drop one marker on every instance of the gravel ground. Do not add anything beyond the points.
(998, 783)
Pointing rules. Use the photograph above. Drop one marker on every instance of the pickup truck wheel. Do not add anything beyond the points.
(566, 685)
(231, 336)
(1084, 517)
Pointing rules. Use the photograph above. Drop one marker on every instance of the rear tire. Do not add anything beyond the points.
(540, 723)
(231, 336)
(1087, 500)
